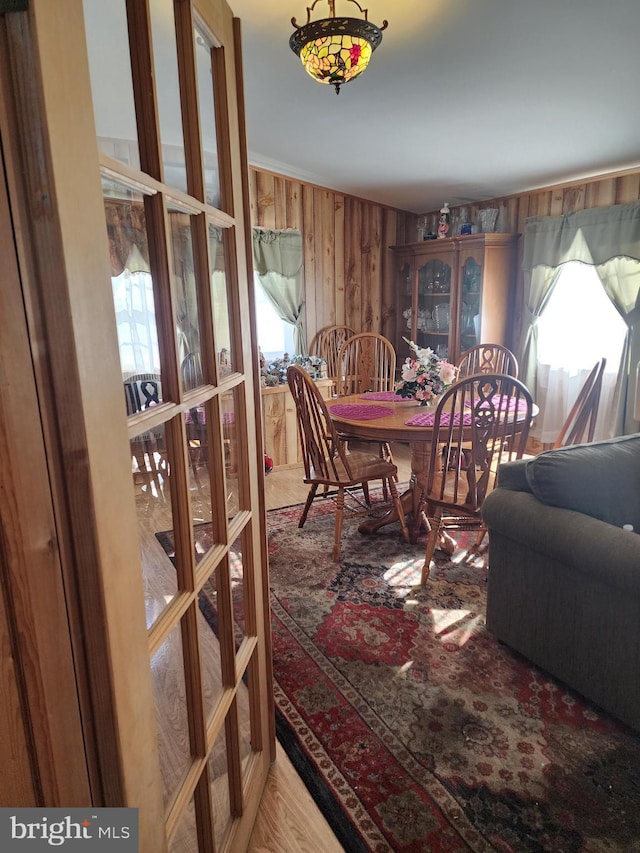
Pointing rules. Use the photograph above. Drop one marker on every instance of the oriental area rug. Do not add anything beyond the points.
(413, 728)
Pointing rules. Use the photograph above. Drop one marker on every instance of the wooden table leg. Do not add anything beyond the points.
(389, 517)
(420, 453)
(410, 499)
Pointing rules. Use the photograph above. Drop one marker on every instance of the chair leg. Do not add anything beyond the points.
(482, 532)
(399, 508)
(382, 451)
(432, 540)
(478, 549)
(338, 524)
(305, 511)
(387, 455)
(365, 492)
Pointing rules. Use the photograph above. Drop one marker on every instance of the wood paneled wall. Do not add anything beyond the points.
(346, 257)
(348, 274)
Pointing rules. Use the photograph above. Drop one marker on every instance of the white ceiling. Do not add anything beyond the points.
(464, 100)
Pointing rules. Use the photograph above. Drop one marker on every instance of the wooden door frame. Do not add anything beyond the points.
(60, 241)
(54, 185)
(42, 758)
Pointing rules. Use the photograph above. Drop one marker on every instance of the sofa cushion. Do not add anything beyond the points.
(601, 479)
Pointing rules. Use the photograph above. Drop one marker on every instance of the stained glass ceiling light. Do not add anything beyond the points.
(335, 50)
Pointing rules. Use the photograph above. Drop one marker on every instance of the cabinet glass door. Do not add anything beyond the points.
(404, 285)
(434, 320)
(470, 305)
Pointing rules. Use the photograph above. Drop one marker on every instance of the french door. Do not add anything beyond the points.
(137, 286)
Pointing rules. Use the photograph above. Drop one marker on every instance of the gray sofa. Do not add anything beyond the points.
(564, 576)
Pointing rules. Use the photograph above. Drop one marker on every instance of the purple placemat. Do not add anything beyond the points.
(387, 396)
(427, 418)
(499, 401)
(359, 413)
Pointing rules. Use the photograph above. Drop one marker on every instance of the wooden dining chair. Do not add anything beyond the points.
(488, 416)
(367, 362)
(487, 358)
(326, 462)
(580, 425)
(327, 345)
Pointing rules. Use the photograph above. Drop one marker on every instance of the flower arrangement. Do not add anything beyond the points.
(424, 376)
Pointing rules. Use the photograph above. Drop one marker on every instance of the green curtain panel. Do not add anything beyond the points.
(608, 239)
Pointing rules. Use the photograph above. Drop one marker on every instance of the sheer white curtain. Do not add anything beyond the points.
(608, 239)
(576, 328)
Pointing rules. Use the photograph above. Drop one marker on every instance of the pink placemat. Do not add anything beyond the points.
(499, 401)
(359, 413)
(427, 418)
(387, 396)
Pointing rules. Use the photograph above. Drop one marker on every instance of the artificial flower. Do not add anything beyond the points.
(424, 376)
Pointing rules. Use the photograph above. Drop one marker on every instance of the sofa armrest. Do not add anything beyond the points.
(513, 475)
(586, 544)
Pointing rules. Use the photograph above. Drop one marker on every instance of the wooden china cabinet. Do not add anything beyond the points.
(454, 293)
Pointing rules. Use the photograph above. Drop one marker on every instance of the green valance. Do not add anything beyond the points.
(277, 251)
(591, 236)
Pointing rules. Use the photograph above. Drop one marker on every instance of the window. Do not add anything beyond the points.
(578, 326)
(275, 336)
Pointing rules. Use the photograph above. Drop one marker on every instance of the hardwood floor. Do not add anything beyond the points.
(288, 820)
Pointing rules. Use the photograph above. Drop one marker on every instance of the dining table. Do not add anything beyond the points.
(385, 416)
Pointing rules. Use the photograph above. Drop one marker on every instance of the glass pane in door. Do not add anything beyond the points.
(248, 720)
(232, 453)
(239, 592)
(170, 694)
(134, 296)
(165, 58)
(209, 641)
(201, 458)
(151, 482)
(187, 312)
(207, 118)
(219, 774)
(111, 83)
(185, 838)
(227, 354)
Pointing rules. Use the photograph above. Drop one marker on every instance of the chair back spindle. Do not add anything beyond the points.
(367, 362)
(581, 421)
(327, 346)
(487, 358)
